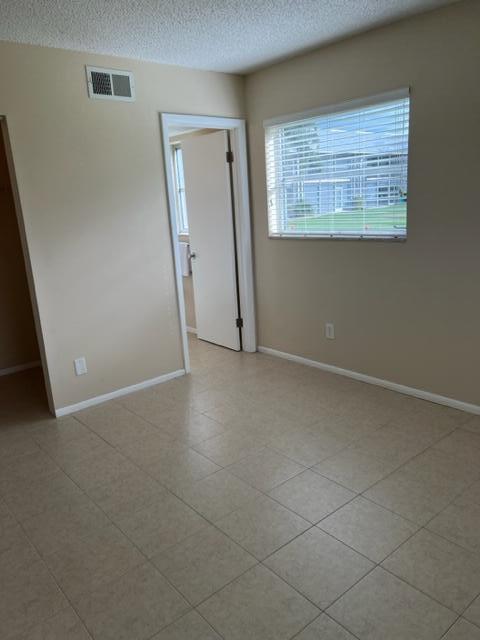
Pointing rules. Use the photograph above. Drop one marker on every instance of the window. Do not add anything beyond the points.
(181, 205)
(340, 173)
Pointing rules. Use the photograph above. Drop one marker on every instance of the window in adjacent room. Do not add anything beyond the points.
(181, 205)
(340, 173)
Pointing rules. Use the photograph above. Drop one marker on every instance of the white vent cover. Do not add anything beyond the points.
(110, 84)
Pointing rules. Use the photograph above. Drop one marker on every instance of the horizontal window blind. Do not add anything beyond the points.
(340, 174)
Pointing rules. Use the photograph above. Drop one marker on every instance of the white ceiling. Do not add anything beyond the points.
(220, 35)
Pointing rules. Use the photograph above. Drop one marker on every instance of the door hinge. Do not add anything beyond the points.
(239, 323)
(229, 156)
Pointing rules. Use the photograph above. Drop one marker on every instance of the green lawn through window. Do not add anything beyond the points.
(388, 220)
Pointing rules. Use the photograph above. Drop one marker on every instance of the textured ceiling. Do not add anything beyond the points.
(220, 35)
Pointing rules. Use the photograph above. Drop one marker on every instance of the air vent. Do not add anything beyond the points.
(110, 84)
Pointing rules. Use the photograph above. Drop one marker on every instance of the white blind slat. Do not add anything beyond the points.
(340, 174)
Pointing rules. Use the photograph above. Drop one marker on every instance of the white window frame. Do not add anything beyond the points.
(350, 105)
(181, 209)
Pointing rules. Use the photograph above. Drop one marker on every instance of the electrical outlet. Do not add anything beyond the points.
(80, 365)
(330, 330)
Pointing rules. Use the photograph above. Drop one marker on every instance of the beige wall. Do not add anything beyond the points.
(18, 342)
(91, 183)
(408, 313)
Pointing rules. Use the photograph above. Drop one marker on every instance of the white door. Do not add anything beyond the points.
(210, 222)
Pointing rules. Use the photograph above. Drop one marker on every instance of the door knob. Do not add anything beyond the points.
(193, 256)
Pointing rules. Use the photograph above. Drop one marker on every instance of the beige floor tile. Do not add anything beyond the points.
(27, 596)
(16, 551)
(262, 526)
(6, 517)
(266, 469)
(345, 428)
(473, 612)
(463, 630)
(179, 468)
(191, 627)
(65, 625)
(147, 451)
(218, 495)
(192, 427)
(203, 563)
(70, 451)
(14, 444)
(435, 468)
(133, 607)
(324, 628)
(229, 447)
(53, 530)
(152, 461)
(150, 404)
(209, 399)
(413, 500)
(381, 606)
(311, 496)
(30, 467)
(472, 424)
(51, 433)
(115, 423)
(436, 413)
(430, 427)
(471, 495)
(303, 408)
(160, 524)
(258, 606)
(442, 570)
(319, 566)
(126, 494)
(86, 564)
(238, 418)
(460, 524)
(99, 468)
(391, 445)
(368, 528)
(28, 499)
(305, 446)
(354, 469)
(463, 444)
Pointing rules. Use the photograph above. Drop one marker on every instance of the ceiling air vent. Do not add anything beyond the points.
(110, 84)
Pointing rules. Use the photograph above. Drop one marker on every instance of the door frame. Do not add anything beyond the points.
(238, 141)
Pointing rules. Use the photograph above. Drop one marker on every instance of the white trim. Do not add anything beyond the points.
(192, 330)
(347, 105)
(72, 408)
(20, 367)
(237, 130)
(362, 377)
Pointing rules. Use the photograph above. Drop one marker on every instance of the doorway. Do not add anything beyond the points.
(207, 183)
(22, 384)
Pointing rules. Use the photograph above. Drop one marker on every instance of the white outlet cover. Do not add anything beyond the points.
(80, 365)
(330, 330)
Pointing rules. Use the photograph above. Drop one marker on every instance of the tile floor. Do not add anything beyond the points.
(253, 499)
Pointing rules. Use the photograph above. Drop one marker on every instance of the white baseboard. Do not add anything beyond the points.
(72, 408)
(192, 330)
(393, 386)
(20, 367)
